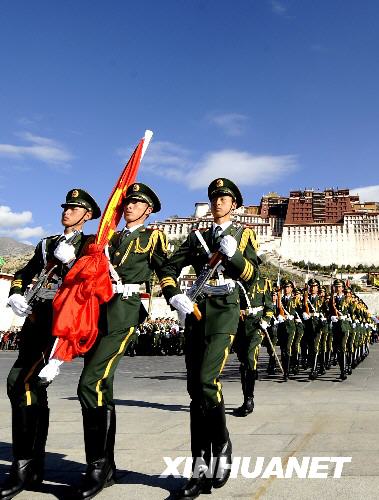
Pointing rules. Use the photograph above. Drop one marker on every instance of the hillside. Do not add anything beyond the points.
(15, 254)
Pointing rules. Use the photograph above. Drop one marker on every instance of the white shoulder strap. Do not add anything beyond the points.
(43, 248)
(116, 278)
(203, 242)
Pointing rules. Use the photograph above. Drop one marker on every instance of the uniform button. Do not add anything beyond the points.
(117, 253)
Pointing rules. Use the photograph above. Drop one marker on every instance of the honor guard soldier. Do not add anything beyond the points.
(28, 397)
(273, 334)
(324, 351)
(134, 253)
(340, 308)
(257, 311)
(208, 340)
(312, 324)
(286, 327)
(299, 331)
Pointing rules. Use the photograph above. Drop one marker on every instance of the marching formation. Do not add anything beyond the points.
(230, 305)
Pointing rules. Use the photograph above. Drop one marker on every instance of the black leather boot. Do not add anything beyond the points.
(286, 360)
(99, 435)
(271, 365)
(201, 480)
(29, 434)
(328, 361)
(313, 374)
(349, 370)
(221, 445)
(322, 369)
(247, 407)
(342, 363)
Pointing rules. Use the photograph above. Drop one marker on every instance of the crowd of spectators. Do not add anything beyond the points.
(9, 340)
(157, 337)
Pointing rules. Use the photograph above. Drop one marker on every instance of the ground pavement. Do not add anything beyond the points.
(323, 418)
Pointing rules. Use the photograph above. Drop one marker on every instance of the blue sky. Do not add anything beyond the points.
(275, 94)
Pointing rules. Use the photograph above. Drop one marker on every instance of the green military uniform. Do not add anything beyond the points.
(28, 396)
(256, 306)
(324, 347)
(287, 329)
(299, 332)
(133, 256)
(208, 341)
(340, 327)
(312, 328)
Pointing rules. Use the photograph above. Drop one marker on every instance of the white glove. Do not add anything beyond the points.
(306, 316)
(263, 324)
(182, 303)
(19, 305)
(334, 319)
(65, 252)
(50, 371)
(280, 319)
(290, 317)
(228, 246)
(354, 325)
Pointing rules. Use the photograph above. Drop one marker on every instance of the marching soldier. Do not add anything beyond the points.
(257, 311)
(28, 397)
(273, 334)
(286, 327)
(299, 331)
(312, 324)
(324, 353)
(134, 253)
(208, 340)
(339, 311)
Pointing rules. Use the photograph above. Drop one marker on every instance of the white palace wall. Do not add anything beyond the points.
(325, 244)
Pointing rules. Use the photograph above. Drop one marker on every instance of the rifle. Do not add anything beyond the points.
(306, 299)
(273, 349)
(205, 274)
(332, 300)
(46, 273)
(279, 304)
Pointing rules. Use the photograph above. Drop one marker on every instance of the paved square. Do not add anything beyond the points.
(324, 418)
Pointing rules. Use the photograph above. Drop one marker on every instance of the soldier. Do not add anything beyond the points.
(312, 324)
(28, 397)
(324, 353)
(208, 340)
(339, 310)
(257, 311)
(286, 327)
(299, 331)
(273, 333)
(134, 253)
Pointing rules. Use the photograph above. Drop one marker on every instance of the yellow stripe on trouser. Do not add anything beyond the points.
(107, 369)
(255, 357)
(28, 395)
(216, 382)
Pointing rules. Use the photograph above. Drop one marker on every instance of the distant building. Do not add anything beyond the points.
(322, 227)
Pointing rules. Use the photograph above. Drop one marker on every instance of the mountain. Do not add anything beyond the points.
(10, 247)
(15, 254)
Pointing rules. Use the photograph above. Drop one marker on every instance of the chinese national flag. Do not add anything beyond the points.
(87, 285)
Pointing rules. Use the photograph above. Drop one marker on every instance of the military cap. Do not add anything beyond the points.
(313, 281)
(80, 198)
(286, 282)
(297, 291)
(141, 192)
(338, 282)
(221, 186)
(323, 288)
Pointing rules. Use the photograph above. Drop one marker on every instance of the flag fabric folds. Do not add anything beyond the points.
(87, 285)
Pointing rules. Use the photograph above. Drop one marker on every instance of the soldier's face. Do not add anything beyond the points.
(314, 289)
(71, 216)
(136, 211)
(222, 206)
(339, 289)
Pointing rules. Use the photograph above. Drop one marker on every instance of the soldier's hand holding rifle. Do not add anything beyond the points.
(183, 305)
(19, 305)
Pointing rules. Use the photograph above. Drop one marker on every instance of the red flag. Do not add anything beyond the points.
(87, 284)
